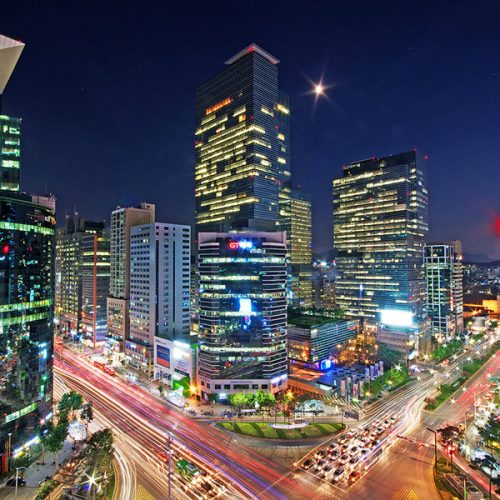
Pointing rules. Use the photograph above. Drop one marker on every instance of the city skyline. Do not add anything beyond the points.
(149, 119)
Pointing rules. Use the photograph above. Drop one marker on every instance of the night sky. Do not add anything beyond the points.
(106, 90)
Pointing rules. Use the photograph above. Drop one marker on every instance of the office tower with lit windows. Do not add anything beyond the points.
(299, 231)
(380, 222)
(122, 220)
(70, 261)
(95, 286)
(242, 146)
(242, 312)
(160, 267)
(444, 276)
(27, 229)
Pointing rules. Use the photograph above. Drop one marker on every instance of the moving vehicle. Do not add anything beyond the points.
(338, 474)
(186, 469)
(105, 368)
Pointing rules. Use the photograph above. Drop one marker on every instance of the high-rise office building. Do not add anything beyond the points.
(160, 267)
(242, 312)
(444, 274)
(95, 286)
(27, 229)
(70, 260)
(299, 231)
(122, 220)
(380, 222)
(242, 146)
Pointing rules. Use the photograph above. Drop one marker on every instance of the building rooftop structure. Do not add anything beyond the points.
(10, 51)
(301, 320)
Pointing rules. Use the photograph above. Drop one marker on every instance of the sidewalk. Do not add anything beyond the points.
(36, 474)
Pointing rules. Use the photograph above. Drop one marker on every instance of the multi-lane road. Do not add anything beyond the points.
(141, 423)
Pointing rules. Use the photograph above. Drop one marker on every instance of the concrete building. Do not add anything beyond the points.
(444, 276)
(69, 251)
(314, 340)
(95, 287)
(242, 312)
(122, 220)
(159, 288)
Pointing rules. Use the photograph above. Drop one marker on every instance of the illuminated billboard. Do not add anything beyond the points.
(396, 317)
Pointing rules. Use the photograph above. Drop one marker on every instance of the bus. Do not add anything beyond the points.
(105, 368)
(186, 469)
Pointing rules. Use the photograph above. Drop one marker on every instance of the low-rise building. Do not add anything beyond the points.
(313, 340)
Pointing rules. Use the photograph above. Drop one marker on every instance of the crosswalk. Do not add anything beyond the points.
(405, 494)
(143, 494)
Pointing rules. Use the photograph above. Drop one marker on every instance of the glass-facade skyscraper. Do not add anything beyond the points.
(242, 312)
(27, 230)
(242, 145)
(444, 277)
(380, 222)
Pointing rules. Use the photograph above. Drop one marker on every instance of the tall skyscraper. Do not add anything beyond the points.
(299, 230)
(122, 220)
(70, 261)
(160, 267)
(27, 229)
(242, 312)
(444, 273)
(242, 145)
(95, 286)
(380, 222)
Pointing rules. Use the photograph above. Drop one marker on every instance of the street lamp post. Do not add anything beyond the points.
(465, 484)
(19, 468)
(435, 449)
(169, 455)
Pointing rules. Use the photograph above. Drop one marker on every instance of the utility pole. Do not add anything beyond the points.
(435, 449)
(169, 455)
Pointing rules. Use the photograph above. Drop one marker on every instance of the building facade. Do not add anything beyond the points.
(380, 223)
(160, 267)
(313, 341)
(444, 275)
(95, 287)
(27, 231)
(300, 250)
(122, 220)
(242, 312)
(242, 145)
(70, 261)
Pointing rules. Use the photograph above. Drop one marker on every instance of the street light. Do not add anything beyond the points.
(169, 455)
(17, 477)
(435, 449)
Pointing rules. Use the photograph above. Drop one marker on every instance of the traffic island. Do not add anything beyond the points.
(265, 430)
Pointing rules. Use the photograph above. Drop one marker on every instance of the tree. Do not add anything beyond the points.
(238, 400)
(490, 433)
(100, 451)
(87, 414)
(55, 437)
(264, 399)
(70, 402)
(43, 431)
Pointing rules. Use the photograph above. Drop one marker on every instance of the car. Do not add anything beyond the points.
(319, 464)
(320, 454)
(350, 434)
(354, 451)
(333, 446)
(307, 464)
(386, 423)
(354, 476)
(343, 439)
(334, 454)
(353, 461)
(343, 459)
(327, 467)
(364, 451)
(12, 482)
(337, 475)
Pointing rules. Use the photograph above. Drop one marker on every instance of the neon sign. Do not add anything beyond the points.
(243, 244)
